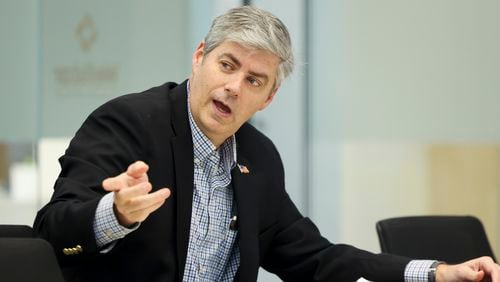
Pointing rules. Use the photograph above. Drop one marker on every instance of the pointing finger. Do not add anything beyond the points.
(136, 173)
(137, 169)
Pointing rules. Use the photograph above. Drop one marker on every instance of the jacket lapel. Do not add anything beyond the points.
(243, 179)
(182, 148)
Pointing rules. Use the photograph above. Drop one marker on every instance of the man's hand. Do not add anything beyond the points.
(480, 269)
(132, 201)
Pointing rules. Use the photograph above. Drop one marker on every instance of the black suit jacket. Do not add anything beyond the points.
(153, 126)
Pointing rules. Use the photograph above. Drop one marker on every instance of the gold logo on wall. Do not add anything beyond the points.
(86, 33)
(85, 73)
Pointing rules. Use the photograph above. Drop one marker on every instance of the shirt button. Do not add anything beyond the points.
(109, 234)
(201, 269)
(197, 161)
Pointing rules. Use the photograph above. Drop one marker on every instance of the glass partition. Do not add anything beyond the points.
(18, 111)
(60, 60)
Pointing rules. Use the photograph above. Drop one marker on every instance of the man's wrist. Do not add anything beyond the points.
(106, 226)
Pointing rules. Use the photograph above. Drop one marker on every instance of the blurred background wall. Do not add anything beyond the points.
(391, 111)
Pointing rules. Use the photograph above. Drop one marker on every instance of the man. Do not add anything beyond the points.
(172, 184)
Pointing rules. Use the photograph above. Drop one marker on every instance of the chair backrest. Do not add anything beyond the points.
(27, 260)
(17, 231)
(452, 239)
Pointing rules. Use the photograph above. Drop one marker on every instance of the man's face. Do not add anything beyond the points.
(228, 86)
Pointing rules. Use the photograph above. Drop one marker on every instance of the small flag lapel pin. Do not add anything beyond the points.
(243, 169)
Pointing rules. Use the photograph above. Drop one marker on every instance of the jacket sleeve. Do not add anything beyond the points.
(298, 252)
(108, 141)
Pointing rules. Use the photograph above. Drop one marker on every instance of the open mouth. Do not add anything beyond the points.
(222, 107)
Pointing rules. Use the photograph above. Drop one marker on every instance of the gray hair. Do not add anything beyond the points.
(255, 28)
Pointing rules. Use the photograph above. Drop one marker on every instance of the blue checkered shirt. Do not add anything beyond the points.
(213, 254)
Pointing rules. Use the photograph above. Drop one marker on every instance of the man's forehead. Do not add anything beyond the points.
(239, 53)
(237, 47)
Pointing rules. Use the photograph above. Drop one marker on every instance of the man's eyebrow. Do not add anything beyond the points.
(238, 63)
(231, 57)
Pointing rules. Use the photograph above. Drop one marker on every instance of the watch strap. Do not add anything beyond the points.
(432, 270)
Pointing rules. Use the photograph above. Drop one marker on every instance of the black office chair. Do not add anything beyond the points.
(28, 260)
(452, 239)
(17, 231)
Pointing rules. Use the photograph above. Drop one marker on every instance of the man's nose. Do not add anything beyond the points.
(233, 85)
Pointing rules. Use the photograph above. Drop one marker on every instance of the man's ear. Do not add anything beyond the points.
(269, 98)
(197, 58)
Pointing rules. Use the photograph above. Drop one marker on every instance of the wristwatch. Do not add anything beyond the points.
(432, 271)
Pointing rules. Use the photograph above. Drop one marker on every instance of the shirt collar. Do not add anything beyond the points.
(203, 147)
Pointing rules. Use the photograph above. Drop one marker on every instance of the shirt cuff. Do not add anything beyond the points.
(106, 226)
(418, 270)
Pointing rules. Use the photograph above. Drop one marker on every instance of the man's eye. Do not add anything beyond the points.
(225, 66)
(254, 82)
